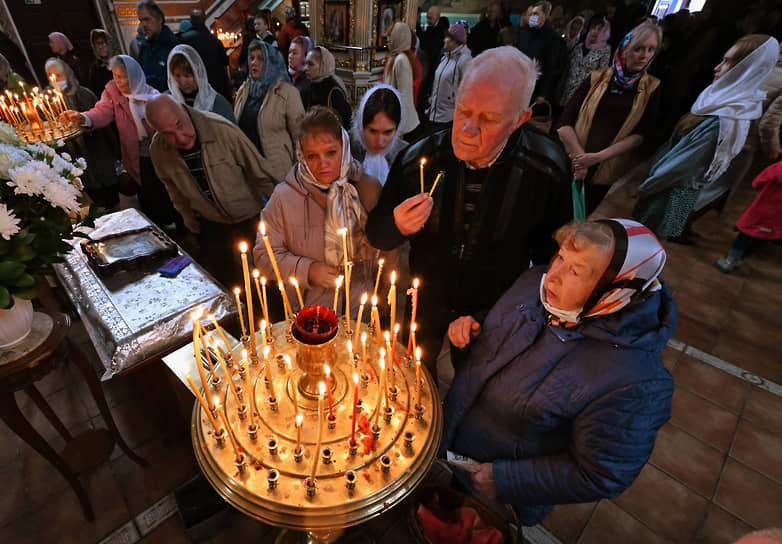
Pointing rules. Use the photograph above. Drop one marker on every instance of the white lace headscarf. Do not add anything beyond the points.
(205, 98)
(736, 99)
(140, 92)
(377, 164)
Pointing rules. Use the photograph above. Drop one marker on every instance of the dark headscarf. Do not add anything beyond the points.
(273, 69)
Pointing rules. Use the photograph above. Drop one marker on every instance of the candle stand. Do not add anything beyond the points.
(47, 132)
(265, 476)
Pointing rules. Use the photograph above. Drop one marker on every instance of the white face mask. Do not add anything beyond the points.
(533, 21)
(62, 84)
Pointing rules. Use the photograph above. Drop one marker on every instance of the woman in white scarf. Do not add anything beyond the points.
(375, 131)
(189, 84)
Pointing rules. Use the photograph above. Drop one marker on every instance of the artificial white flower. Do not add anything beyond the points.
(9, 223)
(8, 135)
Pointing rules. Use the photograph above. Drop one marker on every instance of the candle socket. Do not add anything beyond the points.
(229, 361)
(409, 436)
(239, 392)
(385, 464)
(289, 335)
(267, 382)
(364, 380)
(350, 480)
(281, 361)
(252, 430)
(243, 412)
(409, 362)
(359, 406)
(245, 340)
(215, 381)
(272, 445)
(332, 421)
(352, 448)
(220, 438)
(239, 462)
(376, 432)
(387, 413)
(254, 360)
(242, 372)
(273, 404)
(349, 333)
(393, 392)
(298, 454)
(270, 338)
(310, 484)
(272, 477)
(356, 359)
(419, 412)
(327, 456)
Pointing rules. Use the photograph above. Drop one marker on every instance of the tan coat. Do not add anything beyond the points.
(233, 170)
(295, 218)
(278, 125)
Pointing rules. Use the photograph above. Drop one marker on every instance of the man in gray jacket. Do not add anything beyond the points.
(214, 177)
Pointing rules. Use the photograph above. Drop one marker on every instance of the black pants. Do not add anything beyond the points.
(153, 197)
(218, 250)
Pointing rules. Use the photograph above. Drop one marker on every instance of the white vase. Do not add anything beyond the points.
(16, 323)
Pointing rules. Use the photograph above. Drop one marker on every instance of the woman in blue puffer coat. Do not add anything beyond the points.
(562, 391)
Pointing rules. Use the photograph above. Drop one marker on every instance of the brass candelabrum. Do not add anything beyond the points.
(255, 464)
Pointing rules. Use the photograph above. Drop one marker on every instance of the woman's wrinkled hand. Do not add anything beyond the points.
(483, 480)
(72, 117)
(323, 275)
(463, 330)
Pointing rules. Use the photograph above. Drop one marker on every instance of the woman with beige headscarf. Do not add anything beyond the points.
(326, 87)
(400, 71)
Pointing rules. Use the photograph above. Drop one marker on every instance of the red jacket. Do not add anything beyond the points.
(763, 218)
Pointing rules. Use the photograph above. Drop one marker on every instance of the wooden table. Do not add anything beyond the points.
(25, 363)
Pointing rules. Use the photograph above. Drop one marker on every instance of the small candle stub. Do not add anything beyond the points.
(326, 456)
(385, 464)
(350, 480)
(311, 485)
(409, 436)
(272, 445)
(272, 478)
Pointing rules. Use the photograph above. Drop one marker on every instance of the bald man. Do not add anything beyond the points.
(214, 177)
(429, 53)
(504, 191)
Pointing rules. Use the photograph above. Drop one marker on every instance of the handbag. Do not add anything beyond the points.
(542, 121)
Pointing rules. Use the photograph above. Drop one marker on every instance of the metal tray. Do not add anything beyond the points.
(130, 250)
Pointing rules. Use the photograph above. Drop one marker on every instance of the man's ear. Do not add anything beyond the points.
(523, 118)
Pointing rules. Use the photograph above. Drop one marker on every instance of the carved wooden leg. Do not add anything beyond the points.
(47, 411)
(14, 418)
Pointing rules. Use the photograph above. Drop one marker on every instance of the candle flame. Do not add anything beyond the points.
(243, 247)
(196, 315)
(216, 402)
(256, 274)
(387, 336)
(343, 231)
(339, 281)
(418, 354)
(322, 388)
(374, 300)
(364, 299)
(236, 291)
(382, 353)
(423, 161)
(396, 328)
(280, 285)
(350, 346)
(382, 361)
(355, 378)
(381, 262)
(263, 281)
(266, 352)
(299, 418)
(415, 283)
(327, 370)
(262, 228)
(244, 354)
(363, 338)
(263, 324)
(413, 327)
(393, 277)
(294, 281)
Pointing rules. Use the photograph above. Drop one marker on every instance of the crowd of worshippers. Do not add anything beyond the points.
(555, 324)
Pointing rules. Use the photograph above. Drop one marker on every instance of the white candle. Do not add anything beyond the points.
(360, 314)
(316, 456)
(377, 279)
(248, 295)
(295, 284)
(392, 299)
(338, 283)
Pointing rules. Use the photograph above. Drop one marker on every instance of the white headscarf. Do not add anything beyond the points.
(377, 164)
(205, 97)
(343, 209)
(140, 92)
(736, 99)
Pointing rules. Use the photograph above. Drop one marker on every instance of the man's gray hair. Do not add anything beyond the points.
(513, 63)
(545, 5)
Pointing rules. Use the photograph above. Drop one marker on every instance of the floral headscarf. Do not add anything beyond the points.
(273, 69)
(622, 81)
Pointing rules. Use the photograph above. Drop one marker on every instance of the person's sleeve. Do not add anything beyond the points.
(605, 58)
(180, 202)
(611, 441)
(769, 128)
(102, 113)
(381, 227)
(648, 120)
(246, 155)
(290, 264)
(340, 103)
(293, 114)
(223, 108)
(569, 115)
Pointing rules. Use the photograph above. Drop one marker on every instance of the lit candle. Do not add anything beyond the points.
(413, 291)
(286, 303)
(265, 302)
(299, 417)
(263, 332)
(239, 308)
(248, 295)
(360, 315)
(349, 273)
(390, 365)
(413, 328)
(267, 369)
(350, 351)
(236, 447)
(197, 353)
(268, 245)
(377, 279)
(434, 185)
(381, 392)
(261, 294)
(421, 168)
(393, 346)
(375, 319)
(295, 284)
(213, 319)
(316, 456)
(355, 408)
(338, 282)
(226, 372)
(392, 298)
(344, 233)
(205, 406)
(363, 346)
(206, 352)
(327, 370)
(418, 377)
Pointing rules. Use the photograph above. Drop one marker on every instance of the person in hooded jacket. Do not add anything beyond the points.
(400, 72)
(323, 192)
(63, 48)
(188, 83)
(562, 390)
(376, 138)
(448, 76)
(326, 87)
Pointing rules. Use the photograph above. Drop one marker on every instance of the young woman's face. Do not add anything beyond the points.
(728, 61)
(323, 153)
(594, 33)
(575, 28)
(295, 56)
(121, 79)
(186, 81)
(379, 133)
(640, 54)
(310, 64)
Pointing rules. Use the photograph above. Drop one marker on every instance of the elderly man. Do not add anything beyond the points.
(485, 34)
(504, 190)
(211, 51)
(153, 51)
(540, 41)
(429, 50)
(213, 175)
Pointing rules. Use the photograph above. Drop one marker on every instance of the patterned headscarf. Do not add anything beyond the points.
(343, 209)
(638, 260)
(273, 69)
(622, 81)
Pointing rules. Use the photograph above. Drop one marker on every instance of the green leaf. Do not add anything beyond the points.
(25, 281)
(23, 253)
(10, 270)
(5, 298)
(27, 294)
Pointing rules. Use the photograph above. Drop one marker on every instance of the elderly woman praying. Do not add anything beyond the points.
(562, 390)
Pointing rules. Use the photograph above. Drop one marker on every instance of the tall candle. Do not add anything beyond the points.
(226, 372)
(295, 284)
(294, 386)
(348, 274)
(261, 295)
(418, 377)
(203, 403)
(268, 245)
(213, 319)
(381, 392)
(360, 315)
(327, 371)
(267, 364)
(363, 346)
(413, 291)
(229, 431)
(197, 354)
(299, 417)
(248, 295)
(377, 279)
(392, 359)
(316, 456)
(421, 169)
(355, 408)
(413, 328)
(392, 299)
(286, 303)
(375, 319)
(390, 365)
(263, 332)
(338, 283)
(206, 352)
(434, 185)
(265, 302)
(239, 308)
(345, 258)
(350, 352)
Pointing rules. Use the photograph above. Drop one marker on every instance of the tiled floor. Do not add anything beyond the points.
(716, 471)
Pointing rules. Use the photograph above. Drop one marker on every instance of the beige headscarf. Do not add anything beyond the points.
(325, 66)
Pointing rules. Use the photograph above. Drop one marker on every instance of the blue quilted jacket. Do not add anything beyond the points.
(563, 415)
